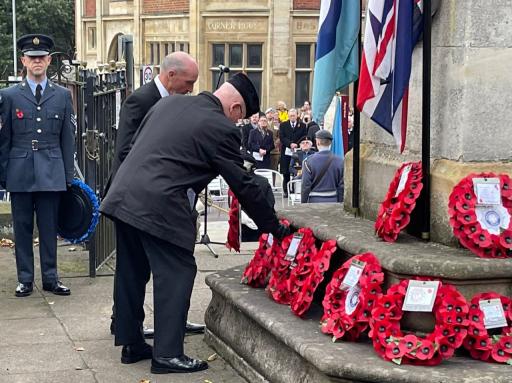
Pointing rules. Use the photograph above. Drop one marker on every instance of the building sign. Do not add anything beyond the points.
(235, 25)
(147, 74)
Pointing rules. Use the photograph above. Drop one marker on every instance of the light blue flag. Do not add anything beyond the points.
(337, 56)
(337, 135)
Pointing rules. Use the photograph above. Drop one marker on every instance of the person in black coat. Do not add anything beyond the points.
(149, 200)
(178, 73)
(290, 132)
(261, 142)
(247, 129)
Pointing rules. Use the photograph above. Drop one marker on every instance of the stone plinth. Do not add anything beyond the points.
(406, 257)
(470, 111)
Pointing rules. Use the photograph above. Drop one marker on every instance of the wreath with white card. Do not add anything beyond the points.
(480, 209)
(395, 211)
(450, 311)
(490, 328)
(350, 297)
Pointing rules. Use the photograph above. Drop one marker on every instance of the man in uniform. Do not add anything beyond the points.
(306, 150)
(150, 203)
(37, 146)
(322, 174)
(290, 132)
(178, 73)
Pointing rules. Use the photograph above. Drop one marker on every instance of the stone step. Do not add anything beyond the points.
(408, 256)
(265, 342)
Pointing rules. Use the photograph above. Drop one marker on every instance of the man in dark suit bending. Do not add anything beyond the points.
(178, 73)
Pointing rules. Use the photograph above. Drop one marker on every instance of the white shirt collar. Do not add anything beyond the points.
(161, 87)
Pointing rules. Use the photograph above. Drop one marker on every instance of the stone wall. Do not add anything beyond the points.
(471, 115)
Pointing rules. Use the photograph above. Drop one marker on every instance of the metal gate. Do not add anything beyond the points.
(103, 96)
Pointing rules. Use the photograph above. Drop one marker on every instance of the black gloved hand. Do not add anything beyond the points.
(281, 231)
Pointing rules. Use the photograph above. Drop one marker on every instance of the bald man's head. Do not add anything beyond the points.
(178, 73)
(232, 102)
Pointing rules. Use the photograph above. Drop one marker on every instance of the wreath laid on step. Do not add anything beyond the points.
(257, 271)
(233, 241)
(347, 311)
(394, 212)
(450, 311)
(479, 342)
(484, 230)
(307, 276)
(279, 286)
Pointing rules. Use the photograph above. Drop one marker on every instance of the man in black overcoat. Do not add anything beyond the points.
(290, 133)
(149, 201)
(247, 129)
(178, 73)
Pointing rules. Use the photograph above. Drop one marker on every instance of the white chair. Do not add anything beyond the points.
(217, 190)
(275, 179)
(294, 194)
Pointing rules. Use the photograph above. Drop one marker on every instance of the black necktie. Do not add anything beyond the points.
(293, 125)
(39, 88)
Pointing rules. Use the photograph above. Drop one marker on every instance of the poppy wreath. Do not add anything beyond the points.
(233, 241)
(350, 325)
(450, 311)
(482, 345)
(395, 211)
(467, 229)
(307, 276)
(279, 286)
(257, 271)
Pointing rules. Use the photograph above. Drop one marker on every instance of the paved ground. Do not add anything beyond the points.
(45, 338)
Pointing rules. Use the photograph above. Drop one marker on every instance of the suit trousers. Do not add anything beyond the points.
(174, 269)
(46, 207)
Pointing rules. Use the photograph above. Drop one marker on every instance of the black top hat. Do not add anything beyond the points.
(323, 135)
(35, 45)
(244, 86)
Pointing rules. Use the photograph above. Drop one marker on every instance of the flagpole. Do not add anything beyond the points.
(356, 129)
(425, 136)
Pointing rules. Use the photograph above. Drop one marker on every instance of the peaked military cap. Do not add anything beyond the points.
(305, 138)
(323, 135)
(244, 86)
(35, 45)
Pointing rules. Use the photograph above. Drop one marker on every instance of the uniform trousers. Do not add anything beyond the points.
(174, 269)
(46, 207)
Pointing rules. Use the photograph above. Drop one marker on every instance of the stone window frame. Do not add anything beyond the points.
(91, 36)
(157, 50)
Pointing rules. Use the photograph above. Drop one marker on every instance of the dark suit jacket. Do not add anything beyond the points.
(50, 168)
(133, 110)
(257, 142)
(149, 191)
(287, 135)
(246, 130)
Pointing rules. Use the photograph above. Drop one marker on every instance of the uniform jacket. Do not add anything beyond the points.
(37, 141)
(149, 191)
(331, 183)
(257, 141)
(297, 158)
(312, 129)
(287, 135)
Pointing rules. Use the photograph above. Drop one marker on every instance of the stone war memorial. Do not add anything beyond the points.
(352, 296)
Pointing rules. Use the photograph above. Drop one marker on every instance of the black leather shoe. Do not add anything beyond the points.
(57, 288)
(133, 353)
(194, 328)
(181, 364)
(24, 289)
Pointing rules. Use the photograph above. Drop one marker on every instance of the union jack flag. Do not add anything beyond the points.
(393, 28)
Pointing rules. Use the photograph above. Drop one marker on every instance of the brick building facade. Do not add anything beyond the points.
(271, 40)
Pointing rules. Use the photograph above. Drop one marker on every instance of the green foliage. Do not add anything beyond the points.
(55, 18)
